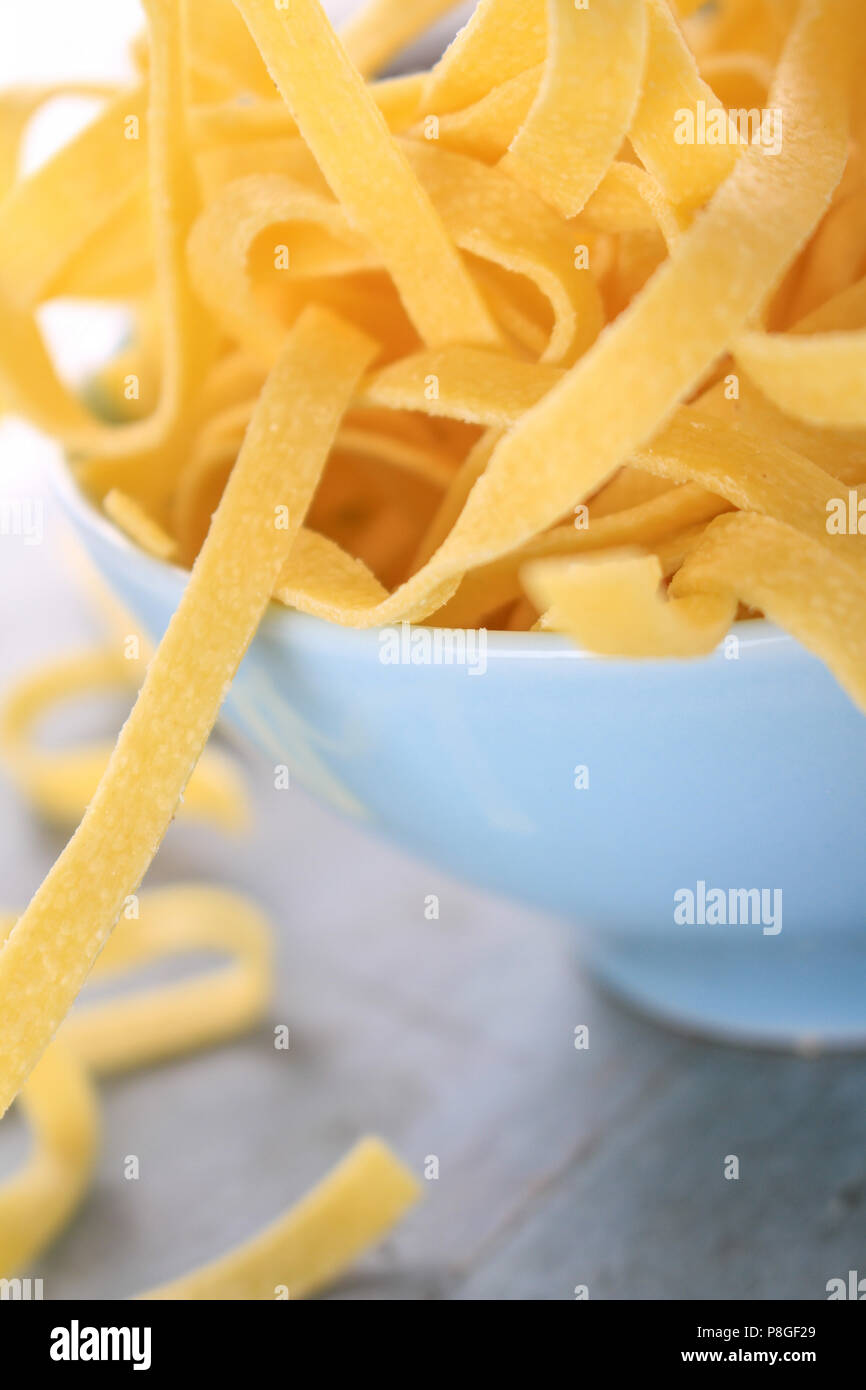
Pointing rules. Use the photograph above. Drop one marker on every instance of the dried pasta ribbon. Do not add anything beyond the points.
(381, 28)
(793, 580)
(688, 171)
(27, 373)
(649, 523)
(60, 1106)
(616, 607)
(486, 127)
(585, 103)
(320, 241)
(60, 782)
(81, 898)
(350, 1209)
(503, 38)
(90, 178)
(818, 377)
(370, 176)
(491, 216)
(304, 1249)
(137, 523)
(136, 1029)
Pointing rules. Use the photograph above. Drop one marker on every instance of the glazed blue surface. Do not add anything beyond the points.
(742, 773)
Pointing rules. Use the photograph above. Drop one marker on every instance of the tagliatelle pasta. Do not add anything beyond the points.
(817, 377)
(585, 104)
(326, 95)
(551, 334)
(315, 1239)
(60, 1107)
(347, 1211)
(61, 781)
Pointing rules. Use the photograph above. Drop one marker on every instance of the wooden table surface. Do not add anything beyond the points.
(452, 1038)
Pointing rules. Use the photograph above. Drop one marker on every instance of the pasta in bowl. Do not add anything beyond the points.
(598, 789)
(477, 426)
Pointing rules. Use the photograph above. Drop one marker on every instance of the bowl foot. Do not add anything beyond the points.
(805, 998)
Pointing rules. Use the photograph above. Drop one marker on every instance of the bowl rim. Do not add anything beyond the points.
(755, 633)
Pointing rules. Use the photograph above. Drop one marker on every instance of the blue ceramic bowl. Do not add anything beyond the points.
(603, 791)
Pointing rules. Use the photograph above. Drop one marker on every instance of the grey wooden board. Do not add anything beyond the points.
(452, 1038)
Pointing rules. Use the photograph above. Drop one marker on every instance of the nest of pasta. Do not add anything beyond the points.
(609, 257)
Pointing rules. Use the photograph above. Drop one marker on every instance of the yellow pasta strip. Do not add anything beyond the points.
(142, 528)
(90, 179)
(60, 782)
(501, 39)
(218, 44)
(841, 453)
(60, 1107)
(820, 378)
(793, 580)
(689, 171)
(220, 123)
(149, 1025)
(25, 369)
(358, 1201)
(616, 607)
(432, 466)
(316, 1239)
(115, 262)
(220, 242)
(585, 102)
(319, 577)
(369, 175)
(462, 383)
(75, 908)
(490, 215)
(751, 473)
(455, 497)
(646, 523)
(487, 127)
(628, 199)
(381, 28)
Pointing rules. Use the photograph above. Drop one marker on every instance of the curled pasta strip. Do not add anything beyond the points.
(307, 1247)
(25, 366)
(60, 1107)
(585, 104)
(811, 593)
(503, 38)
(60, 782)
(381, 28)
(138, 1028)
(326, 94)
(616, 607)
(319, 240)
(348, 1210)
(820, 378)
(648, 523)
